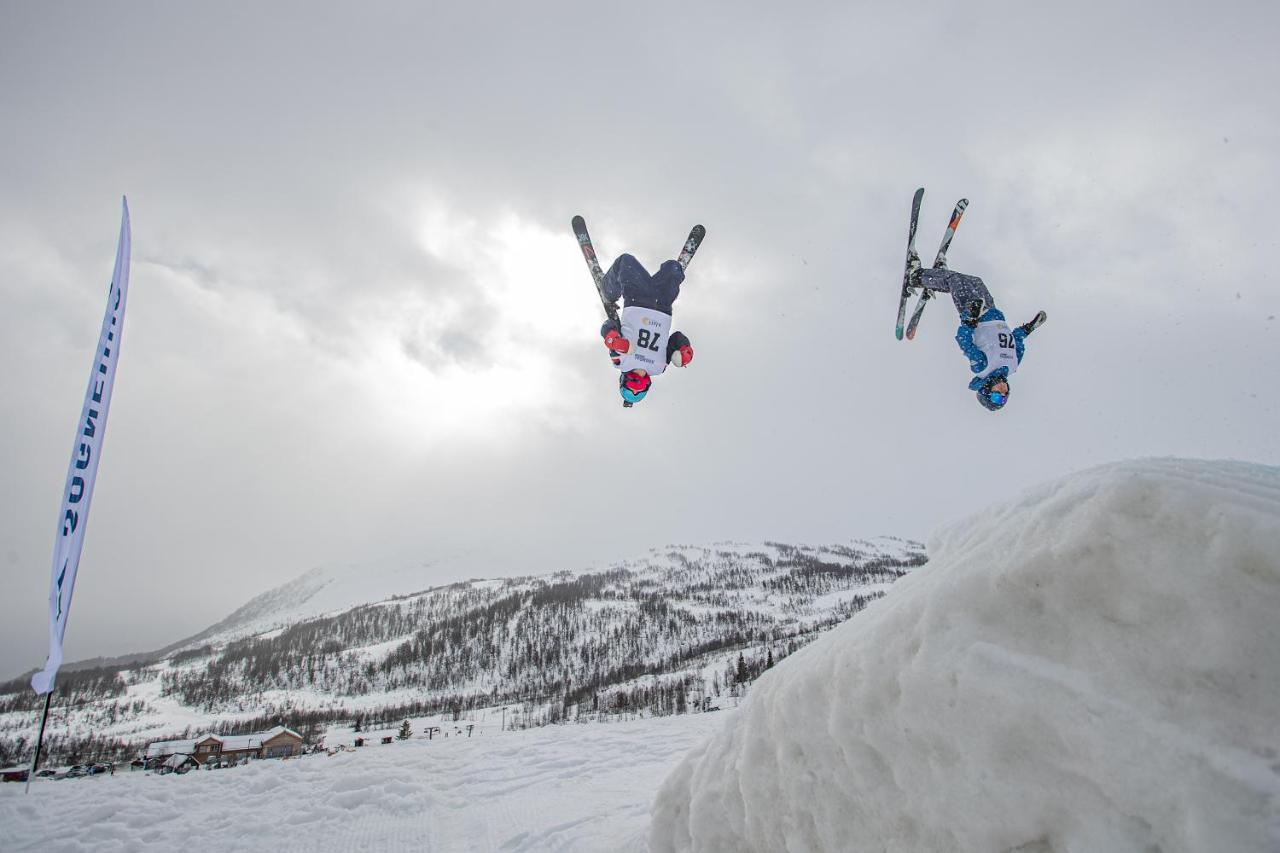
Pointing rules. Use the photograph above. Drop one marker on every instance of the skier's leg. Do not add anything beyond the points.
(964, 290)
(666, 285)
(967, 290)
(937, 280)
(625, 275)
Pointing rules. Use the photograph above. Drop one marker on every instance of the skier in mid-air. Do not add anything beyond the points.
(641, 342)
(640, 338)
(994, 350)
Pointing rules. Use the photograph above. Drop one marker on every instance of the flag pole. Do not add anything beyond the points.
(82, 473)
(35, 759)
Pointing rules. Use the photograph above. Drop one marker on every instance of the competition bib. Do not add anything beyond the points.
(647, 330)
(995, 339)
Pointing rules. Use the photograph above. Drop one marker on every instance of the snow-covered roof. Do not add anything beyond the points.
(280, 730)
(229, 743)
(169, 747)
(177, 760)
(232, 743)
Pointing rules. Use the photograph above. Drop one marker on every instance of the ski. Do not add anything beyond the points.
(691, 246)
(911, 251)
(939, 262)
(925, 296)
(593, 263)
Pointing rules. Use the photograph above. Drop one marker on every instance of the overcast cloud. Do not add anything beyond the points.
(360, 331)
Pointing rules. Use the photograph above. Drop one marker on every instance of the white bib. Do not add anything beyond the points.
(995, 339)
(648, 331)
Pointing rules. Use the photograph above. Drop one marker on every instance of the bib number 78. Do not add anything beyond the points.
(647, 340)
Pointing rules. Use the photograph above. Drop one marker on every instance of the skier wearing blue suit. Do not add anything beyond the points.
(994, 350)
(641, 342)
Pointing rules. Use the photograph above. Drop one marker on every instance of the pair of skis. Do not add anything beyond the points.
(579, 224)
(939, 262)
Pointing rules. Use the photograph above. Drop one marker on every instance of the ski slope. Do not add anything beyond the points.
(569, 788)
(1091, 667)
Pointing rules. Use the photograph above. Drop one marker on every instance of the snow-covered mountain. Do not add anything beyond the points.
(665, 632)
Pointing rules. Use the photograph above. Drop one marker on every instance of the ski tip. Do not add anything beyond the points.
(699, 230)
(578, 223)
(911, 335)
(898, 332)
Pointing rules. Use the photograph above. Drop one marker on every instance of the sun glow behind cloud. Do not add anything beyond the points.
(519, 296)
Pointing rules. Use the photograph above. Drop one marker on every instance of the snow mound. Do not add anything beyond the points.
(1092, 667)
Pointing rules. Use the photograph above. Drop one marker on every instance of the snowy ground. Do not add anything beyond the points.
(563, 788)
(1090, 667)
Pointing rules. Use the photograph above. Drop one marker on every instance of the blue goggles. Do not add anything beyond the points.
(632, 396)
(997, 398)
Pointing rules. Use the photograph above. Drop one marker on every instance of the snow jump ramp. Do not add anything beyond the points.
(1092, 667)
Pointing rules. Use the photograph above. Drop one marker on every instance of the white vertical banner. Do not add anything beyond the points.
(86, 450)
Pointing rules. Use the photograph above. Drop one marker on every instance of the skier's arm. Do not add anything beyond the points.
(1019, 347)
(977, 358)
(679, 350)
(613, 339)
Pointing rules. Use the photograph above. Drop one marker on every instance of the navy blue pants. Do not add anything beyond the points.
(629, 280)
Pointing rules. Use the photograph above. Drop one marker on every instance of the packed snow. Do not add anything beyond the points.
(1091, 667)
(569, 788)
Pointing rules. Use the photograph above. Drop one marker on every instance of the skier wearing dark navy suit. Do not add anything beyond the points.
(642, 342)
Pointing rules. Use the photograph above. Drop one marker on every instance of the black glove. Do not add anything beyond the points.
(1034, 323)
(975, 311)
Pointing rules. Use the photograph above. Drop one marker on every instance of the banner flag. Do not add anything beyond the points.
(86, 450)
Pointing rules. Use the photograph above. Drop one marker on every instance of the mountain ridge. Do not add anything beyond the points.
(660, 631)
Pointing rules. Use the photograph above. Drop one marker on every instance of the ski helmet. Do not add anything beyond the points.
(994, 400)
(633, 385)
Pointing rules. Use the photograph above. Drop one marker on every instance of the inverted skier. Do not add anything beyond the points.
(640, 338)
(641, 342)
(994, 350)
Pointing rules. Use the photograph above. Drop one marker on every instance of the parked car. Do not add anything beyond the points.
(47, 773)
(98, 769)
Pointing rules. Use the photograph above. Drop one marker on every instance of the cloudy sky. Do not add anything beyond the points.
(360, 332)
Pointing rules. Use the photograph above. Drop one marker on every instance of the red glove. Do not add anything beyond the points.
(616, 342)
(682, 356)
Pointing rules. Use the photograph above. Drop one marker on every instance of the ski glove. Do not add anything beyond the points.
(1034, 323)
(616, 342)
(975, 311)
(682, 356)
